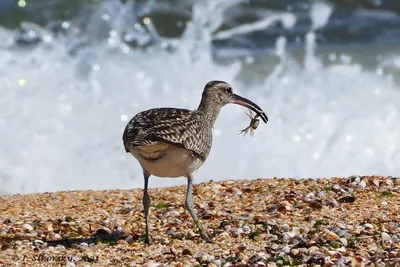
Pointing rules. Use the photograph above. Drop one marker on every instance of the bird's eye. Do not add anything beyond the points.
(229, 90)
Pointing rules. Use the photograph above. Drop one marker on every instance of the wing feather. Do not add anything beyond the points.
(181, 127)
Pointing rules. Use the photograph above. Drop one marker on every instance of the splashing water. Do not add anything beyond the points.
(66, 100)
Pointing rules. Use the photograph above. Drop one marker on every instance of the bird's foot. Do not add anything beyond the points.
(205, 236)
(147, 239)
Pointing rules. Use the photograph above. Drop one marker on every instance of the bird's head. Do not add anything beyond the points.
(220, 93)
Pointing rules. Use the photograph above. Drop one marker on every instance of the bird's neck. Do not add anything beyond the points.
(209, 110)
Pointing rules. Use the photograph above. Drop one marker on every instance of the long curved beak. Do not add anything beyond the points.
(237, 99)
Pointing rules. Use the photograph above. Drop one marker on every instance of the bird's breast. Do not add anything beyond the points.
(166, 160)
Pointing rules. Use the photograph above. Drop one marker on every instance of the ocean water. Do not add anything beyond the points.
(69, 86)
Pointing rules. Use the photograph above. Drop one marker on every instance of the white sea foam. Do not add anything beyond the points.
(62, 115)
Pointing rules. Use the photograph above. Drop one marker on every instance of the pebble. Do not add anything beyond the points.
(186, 252)
(57, 236)
(239, 231)
(38, 242)
(376, 182)
(207, 215)
(310, 195)
(303, 251)
(60, 246)
(336, 187)
(8, 221)
(354, 179)
(294, 251)
(331, 236)
(217, 263)
(273, 237)
(332, 203)
(33, 233)
(48, 226)
(242, 247)
(286, 228)
(246, 229)
(331, 253)
(313, 249)
(135, 245)
(216, 187)
(225, 234)
(243, 257)
(285, 249)
(288, 236)
(129, 239)
(151, 264)
(393, 226)
(343, 241)
(259, 264)
(83, 245)
(369, 226)
(275, 247)
(259, 237)
(65, 224)
(186, 263)
(173, 213)
(340, 261)
(204, 258)
(363, 184)
(27, 227)
(386, 239)
(237, 191)
(296, 230)
(342, 233)
(170, 232)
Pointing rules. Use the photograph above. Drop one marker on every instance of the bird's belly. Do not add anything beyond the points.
(164, 160)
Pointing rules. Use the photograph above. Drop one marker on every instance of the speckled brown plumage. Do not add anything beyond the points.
(180, 127)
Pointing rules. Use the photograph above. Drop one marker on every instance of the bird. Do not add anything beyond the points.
(175, 142)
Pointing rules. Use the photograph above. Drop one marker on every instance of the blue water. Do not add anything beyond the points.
(327, 77)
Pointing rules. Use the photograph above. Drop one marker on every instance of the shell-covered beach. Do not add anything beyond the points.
(350, 221)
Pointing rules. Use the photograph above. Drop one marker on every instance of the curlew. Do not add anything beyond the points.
(173, 142)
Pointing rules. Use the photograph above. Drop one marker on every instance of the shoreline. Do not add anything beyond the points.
(263, 222)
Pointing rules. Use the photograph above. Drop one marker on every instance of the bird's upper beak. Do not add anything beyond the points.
(236, 99)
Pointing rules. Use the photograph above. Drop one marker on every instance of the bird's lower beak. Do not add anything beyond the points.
(236, 99)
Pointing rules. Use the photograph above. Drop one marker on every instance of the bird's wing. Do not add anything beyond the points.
(180, 127)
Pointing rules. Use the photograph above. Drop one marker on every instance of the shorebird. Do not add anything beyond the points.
(173, 142)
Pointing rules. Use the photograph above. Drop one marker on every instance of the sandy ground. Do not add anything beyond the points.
(266, 222)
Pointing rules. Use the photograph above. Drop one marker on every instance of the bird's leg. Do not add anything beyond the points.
(146, 205)
(189, 207)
